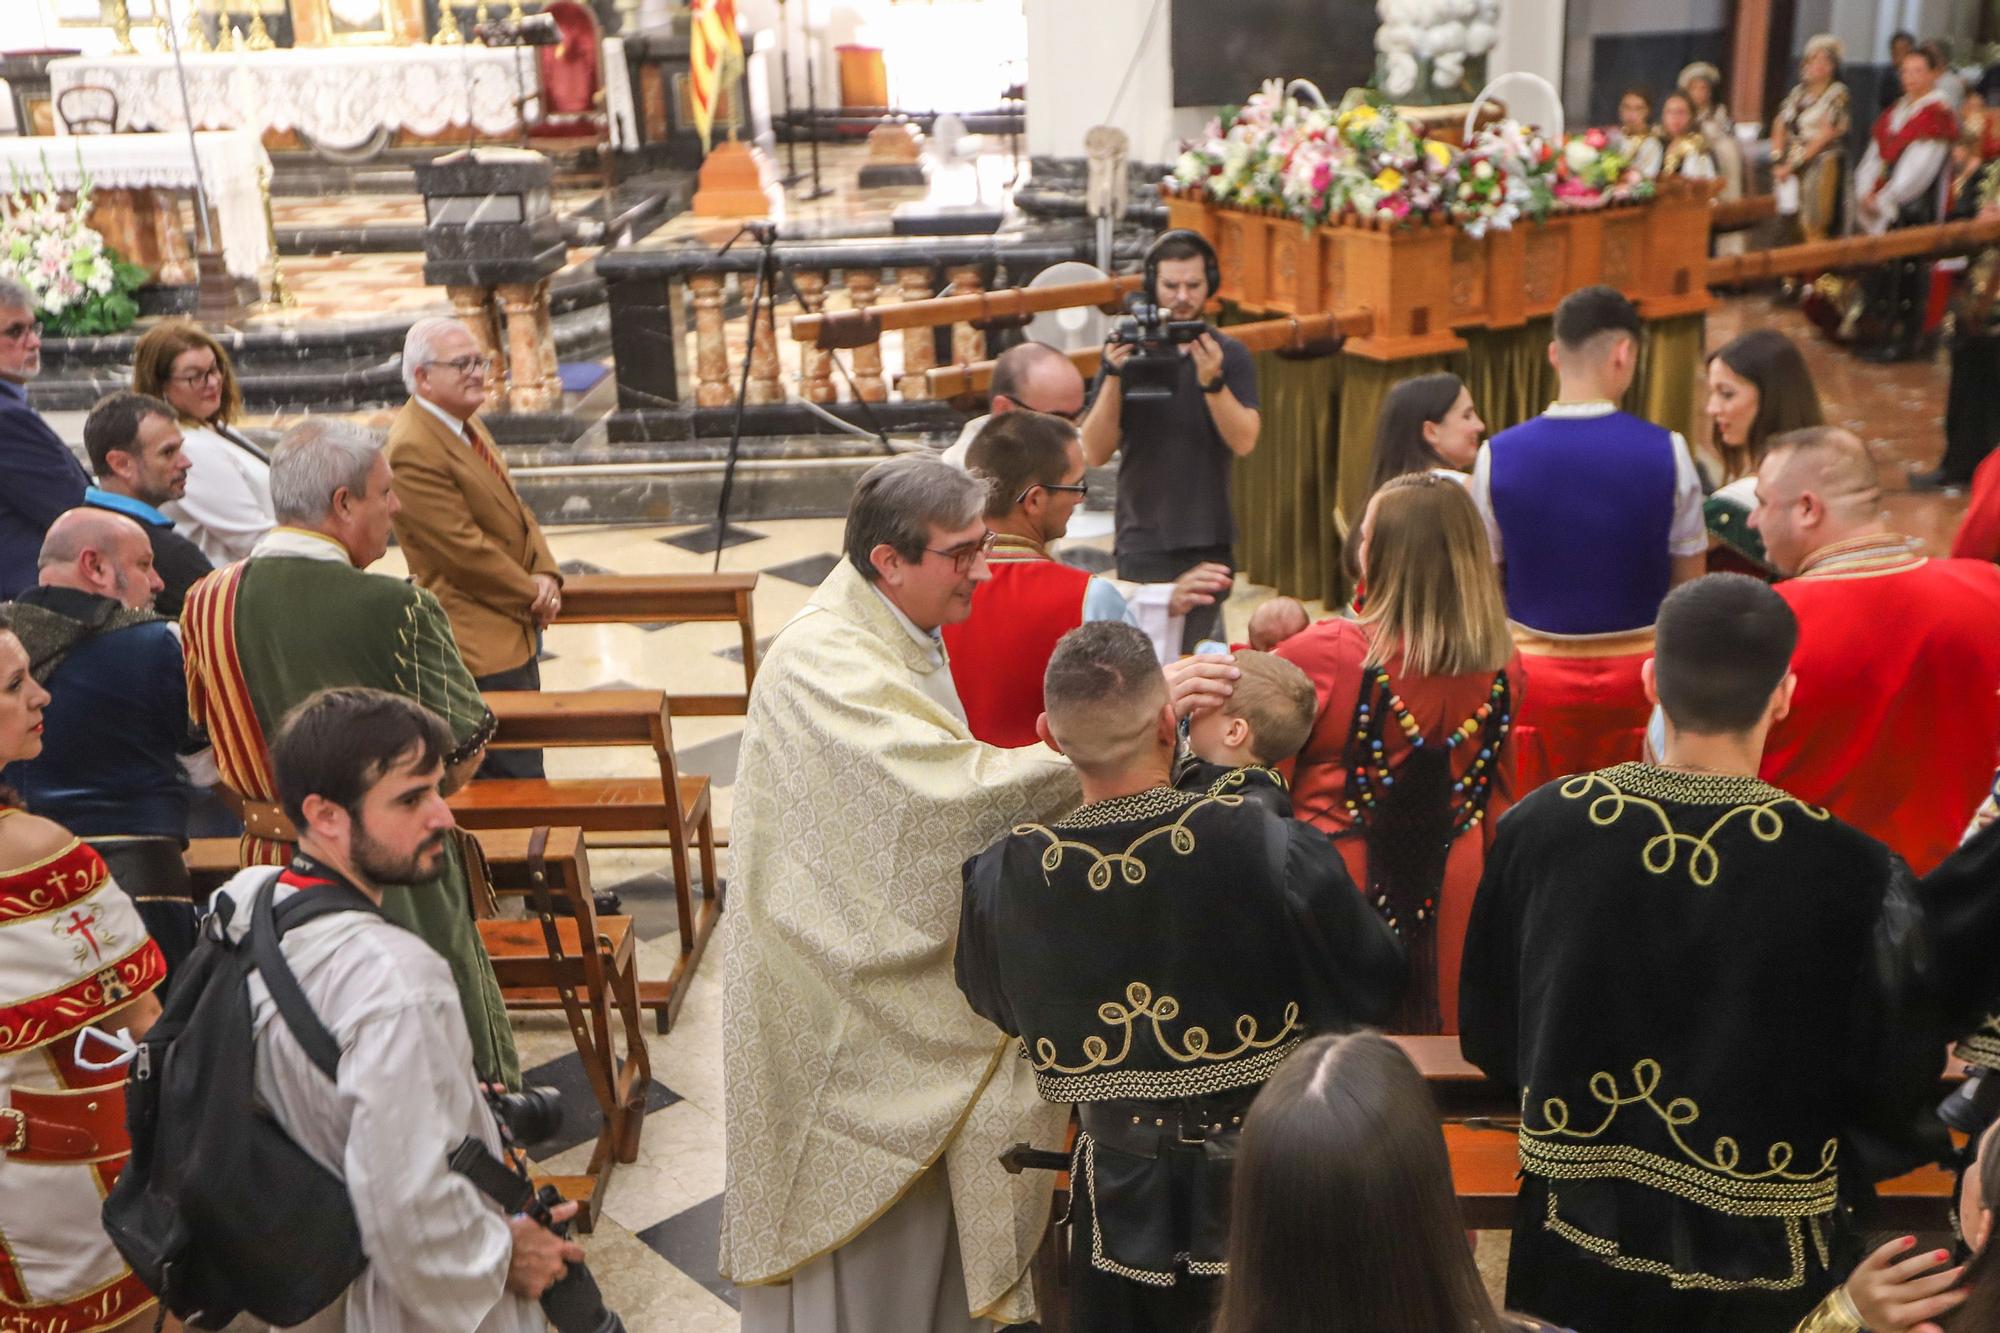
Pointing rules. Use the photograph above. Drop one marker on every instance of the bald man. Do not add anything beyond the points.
(1030, 375)
(1896, 723)
(116, 725)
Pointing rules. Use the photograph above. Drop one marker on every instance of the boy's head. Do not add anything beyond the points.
(1264, 721)
(1722, 657)
(1275, 620)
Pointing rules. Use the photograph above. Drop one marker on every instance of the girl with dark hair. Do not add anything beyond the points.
(1410, 759)
(1635, 136)
(1427, 424)
(1343, 1217)
(1685, 150)
(1758, 387)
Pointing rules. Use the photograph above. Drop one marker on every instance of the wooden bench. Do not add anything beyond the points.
(671, 803)
(629, 599)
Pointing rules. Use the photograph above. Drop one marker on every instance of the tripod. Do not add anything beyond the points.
(762, 296)
(819, 190)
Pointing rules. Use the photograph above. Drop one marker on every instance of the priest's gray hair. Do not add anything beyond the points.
(13, 296)
(315, 459)
(422, 344)
(897, 502)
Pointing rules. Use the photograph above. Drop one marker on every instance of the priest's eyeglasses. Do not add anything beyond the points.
(962, 555)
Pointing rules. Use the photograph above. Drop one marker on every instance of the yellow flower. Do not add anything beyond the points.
(1438, 153)
(1359, 114)
(1389, 181)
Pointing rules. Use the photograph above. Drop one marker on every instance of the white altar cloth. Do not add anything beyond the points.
(230, 160)
(340, 97)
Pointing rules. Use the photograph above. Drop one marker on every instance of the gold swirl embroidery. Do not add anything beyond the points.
(1675, 1114)
(1126, 863)
(1140, 1003)
(1240, 777)
(1662, 851)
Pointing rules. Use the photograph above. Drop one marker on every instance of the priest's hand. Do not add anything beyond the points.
(1897, 1295)
(540, 1257)
(1201, 681)
(1200, 586)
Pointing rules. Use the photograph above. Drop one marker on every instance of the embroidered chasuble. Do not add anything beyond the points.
(1706, 992)
(851, 1062)
(295, 618)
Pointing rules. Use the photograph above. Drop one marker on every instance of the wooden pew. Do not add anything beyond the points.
(672, 804)
(212, 861)
(625, 599)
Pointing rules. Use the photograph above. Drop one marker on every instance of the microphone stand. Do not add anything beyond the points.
(818, 191)
(792, 176)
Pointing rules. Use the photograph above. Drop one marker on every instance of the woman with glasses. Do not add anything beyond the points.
(228, 502)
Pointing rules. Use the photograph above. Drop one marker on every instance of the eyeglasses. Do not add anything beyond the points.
(469, 365)
(962, 555)
(1080, 490)
(19, 330)
(194, 379)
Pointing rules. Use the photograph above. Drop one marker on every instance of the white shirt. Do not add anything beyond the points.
(228, 502)
(955, 454)
(1687, 536)
(937, 683)
(437, 1248)
(451, 423)
(1916, 170)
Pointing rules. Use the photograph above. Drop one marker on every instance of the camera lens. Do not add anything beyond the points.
(533, 1115)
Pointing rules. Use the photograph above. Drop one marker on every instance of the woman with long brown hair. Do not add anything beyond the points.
(228, 502)
(1342, 1214)
(1758, 387)
(1428, 423)
(73, 957)
(1410, 759)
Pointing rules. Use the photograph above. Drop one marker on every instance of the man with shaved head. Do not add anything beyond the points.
(1896, 723)
(116, 725)
(1158, 953)
(1028, 376)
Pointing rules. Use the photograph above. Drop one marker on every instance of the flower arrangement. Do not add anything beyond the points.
(80, 285)
(1434, 50)
(1593, 170)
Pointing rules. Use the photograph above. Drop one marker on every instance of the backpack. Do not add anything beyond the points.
(218, 1211)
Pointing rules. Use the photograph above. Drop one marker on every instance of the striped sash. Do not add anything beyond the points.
(219, 698)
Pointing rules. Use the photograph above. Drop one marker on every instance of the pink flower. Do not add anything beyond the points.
(1596, 138)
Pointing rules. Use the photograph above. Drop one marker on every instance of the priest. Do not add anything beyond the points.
(1896, 725)
(866, 1103)
(1158, 953)
(1710, 996)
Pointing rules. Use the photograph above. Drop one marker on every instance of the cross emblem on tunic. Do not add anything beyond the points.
(80, 923)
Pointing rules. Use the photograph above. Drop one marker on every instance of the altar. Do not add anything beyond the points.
(138, 181)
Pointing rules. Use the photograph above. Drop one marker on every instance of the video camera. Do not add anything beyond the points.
(528, 30)
(1154, 367)
(574, 1304)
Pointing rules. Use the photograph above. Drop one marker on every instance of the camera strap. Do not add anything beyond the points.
(268, 924)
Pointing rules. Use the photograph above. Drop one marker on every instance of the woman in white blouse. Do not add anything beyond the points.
(228, 502)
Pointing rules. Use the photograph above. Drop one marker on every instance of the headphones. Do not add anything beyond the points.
(1200, 242)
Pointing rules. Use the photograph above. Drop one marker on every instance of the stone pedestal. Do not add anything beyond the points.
(895, 157)
(735, 183)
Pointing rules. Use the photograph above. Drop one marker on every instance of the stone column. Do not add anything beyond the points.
(862, 288)
(968, 344)
(474, 308)
(764, 386)
(711, 348)
(913, 283)
(533, 384)
(815, 366)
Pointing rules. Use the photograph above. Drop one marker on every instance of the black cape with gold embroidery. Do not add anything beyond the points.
(1258, 785)
(1962, 904)
(1167, 945)
(1711, 999)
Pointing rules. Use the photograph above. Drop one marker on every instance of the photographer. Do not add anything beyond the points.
(1177, 403)
(358, 773)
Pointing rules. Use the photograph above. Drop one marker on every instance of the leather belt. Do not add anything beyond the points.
(72, 1126)
(1145, 1128)
(269, 822)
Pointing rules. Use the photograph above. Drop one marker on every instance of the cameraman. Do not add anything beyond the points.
(1175, 452)
(358, 773)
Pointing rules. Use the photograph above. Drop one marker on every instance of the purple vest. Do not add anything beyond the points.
(1585, 507)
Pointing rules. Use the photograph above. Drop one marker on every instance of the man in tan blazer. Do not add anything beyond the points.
(469, 538)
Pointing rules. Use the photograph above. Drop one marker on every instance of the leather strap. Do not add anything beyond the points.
(263, 820)
(76, 1125)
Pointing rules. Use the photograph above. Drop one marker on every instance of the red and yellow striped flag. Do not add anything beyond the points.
(715, 60)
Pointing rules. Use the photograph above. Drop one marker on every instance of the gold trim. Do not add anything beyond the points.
(1139, 1003)
(1083, 1167)
(1162, 1084)
(1179, 836)
(1239, 777)
(1617, 643)
(1745, 796)
(1681, 1279)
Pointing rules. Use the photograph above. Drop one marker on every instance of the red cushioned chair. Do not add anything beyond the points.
(573, 117)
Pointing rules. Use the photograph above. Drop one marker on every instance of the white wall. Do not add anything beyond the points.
(1531, 40)
(1078, 54)
(951, 55)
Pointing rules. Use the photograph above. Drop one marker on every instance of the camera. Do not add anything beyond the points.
(574, 1304)
(1154, 367)
(529, 30)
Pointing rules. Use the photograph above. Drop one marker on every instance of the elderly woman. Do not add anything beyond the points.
(1702, 82)
(228, 502)
(1808, 138)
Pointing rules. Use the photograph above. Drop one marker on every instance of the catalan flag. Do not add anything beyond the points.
(715, 60)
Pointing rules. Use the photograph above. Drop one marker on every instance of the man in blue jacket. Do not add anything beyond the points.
(39, 477)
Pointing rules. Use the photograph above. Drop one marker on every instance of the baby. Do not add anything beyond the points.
(1235, 746)
(1276, 620)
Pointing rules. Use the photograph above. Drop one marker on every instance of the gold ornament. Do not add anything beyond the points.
(259, 38)
(514, 13)
(480, 18)
(197, 31)
(281, 292)
(121, 28)
(447, 33)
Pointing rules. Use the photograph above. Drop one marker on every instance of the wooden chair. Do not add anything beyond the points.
(628, 811)
(571, 114)
(88, 109)
(628, 599)
(565, 956)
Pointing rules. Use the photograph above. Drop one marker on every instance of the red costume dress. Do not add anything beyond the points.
(72, 950)
(1979, 532)
(1327, 794)
(1895, 725)
(999, 652)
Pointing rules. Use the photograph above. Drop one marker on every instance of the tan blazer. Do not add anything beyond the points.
(469, 539)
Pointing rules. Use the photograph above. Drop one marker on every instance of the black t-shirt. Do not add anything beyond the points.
(178, 561)
(1173, 465)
